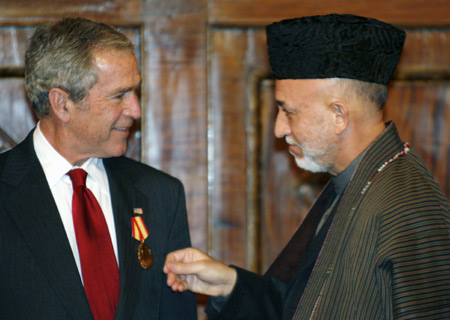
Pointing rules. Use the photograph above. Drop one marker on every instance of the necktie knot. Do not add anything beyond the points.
(78, 177)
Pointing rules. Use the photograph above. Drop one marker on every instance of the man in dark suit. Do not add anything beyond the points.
(82, 78)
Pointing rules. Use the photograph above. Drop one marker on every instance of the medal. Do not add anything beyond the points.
(145, 256)
(140, 233)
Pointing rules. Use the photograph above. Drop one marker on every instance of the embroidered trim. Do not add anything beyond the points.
(401, 153)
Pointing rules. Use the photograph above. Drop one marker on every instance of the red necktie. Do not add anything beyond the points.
(98, 262)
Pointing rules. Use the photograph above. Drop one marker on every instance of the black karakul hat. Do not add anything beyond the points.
(334, 46)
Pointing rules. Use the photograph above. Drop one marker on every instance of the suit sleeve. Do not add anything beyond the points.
(176, 305)
(253, 297)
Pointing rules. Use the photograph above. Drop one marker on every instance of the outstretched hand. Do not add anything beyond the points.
(191, 269)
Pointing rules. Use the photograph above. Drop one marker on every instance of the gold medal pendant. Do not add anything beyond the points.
(140, 233)
(145, 256)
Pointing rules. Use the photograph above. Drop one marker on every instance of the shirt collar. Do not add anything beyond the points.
(341, 180)
(56, 166)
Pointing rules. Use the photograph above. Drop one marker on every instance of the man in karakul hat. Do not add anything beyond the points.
(376, 243)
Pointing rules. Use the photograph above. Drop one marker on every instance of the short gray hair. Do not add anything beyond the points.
(373, 92)
(60, 55)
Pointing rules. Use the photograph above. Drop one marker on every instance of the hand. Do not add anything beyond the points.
(191, 269)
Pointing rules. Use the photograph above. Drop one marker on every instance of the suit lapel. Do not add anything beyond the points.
(286, 266)
(137, 284)
(31, 206)
(123, 198)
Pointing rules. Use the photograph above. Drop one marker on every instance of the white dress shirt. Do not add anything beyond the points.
(55, 168)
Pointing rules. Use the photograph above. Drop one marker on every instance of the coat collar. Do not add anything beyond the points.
(383, 148)
(123, 197)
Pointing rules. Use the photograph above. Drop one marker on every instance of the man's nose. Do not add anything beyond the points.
(282, 127)
(133, 108)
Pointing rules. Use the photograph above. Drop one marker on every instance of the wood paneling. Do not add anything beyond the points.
(419, 102)
(421, 111)
(12, 43)
(26, 12)
(262, 12)
(175, 117)
(426, 54)
(237, 62)
(16, 116)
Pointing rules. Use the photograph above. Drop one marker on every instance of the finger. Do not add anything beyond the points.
(175, 283)
(172, 257)
(186, 255)
(176, 256)
(180, 268)
(171, 279)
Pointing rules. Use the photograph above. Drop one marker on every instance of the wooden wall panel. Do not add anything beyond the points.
(12, 44)
(175, 117)
(228, 158)
(16, 116)
(421, 111)
(426, 54)
(419, 103)
(237, 63)
(262, 12)
(26, 12)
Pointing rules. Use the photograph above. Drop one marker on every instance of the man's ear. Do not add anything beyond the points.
(59, 100)
(341, 117)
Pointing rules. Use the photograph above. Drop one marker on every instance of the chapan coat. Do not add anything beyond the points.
(386, 254)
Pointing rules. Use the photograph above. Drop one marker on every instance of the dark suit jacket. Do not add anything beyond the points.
(38, 275)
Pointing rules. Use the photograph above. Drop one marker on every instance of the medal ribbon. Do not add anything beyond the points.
(139, 229)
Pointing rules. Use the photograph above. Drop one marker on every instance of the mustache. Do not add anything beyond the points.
(290, 141)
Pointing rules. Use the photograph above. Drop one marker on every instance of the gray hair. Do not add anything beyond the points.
(373, 92)
(60, 55)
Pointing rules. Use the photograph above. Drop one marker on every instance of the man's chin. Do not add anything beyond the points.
(309, 165)
(117, 152)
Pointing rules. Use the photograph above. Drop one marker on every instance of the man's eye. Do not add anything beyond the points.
(118, 98)
(289, 115)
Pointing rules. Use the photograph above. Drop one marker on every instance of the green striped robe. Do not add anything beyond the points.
(387, 253)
